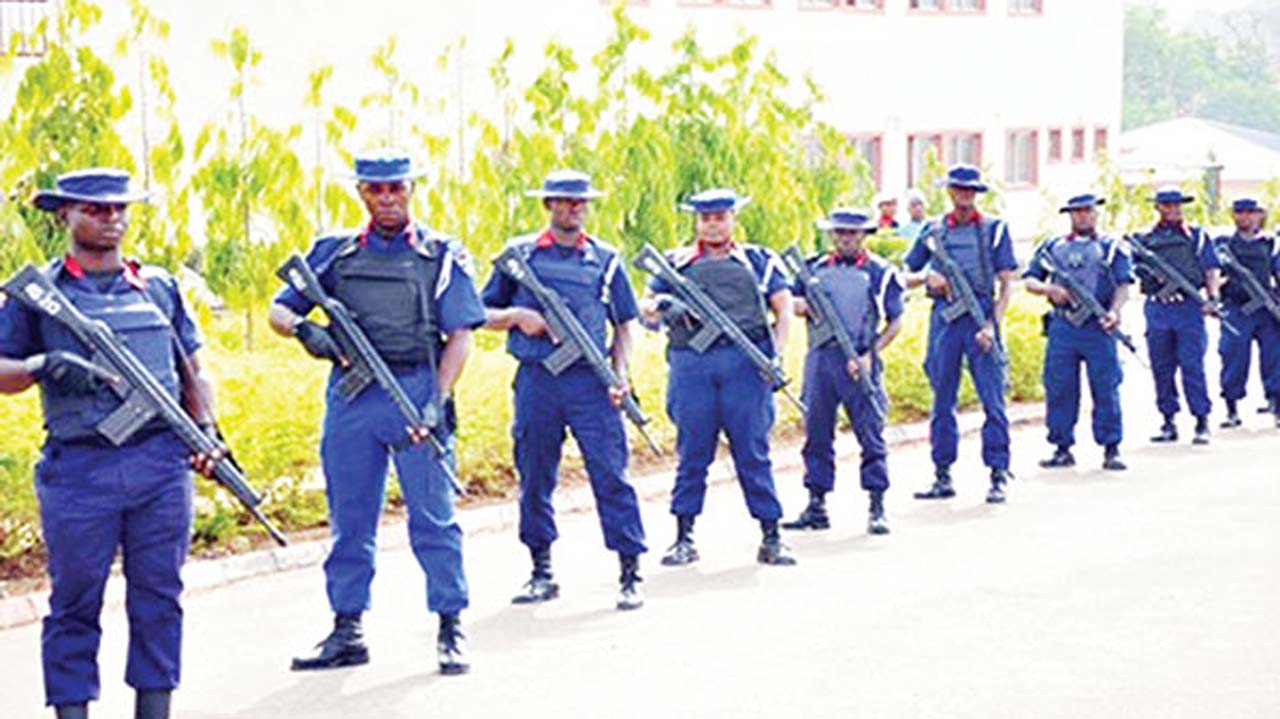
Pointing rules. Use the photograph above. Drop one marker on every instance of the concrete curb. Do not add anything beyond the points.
(206, 575)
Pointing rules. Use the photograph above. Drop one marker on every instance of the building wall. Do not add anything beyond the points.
(889, 73)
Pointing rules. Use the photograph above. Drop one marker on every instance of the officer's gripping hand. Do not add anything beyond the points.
(532, 323)
(674, 311)
(618, 395)
(937, 284)
(206, 463)
(318, 342)
(1109, 321)
(859, 366)
(1059, 295)
(69, 372)
(1211, 309)
(986, 337)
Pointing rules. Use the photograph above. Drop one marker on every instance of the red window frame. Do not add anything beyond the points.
(942, 140)
(876, 160)
(840, 6)
(1078, 151)
(1036, 9)
(1055, 145)
(1101, 137)
(728, 4)
(946, 7)
(1034, 179)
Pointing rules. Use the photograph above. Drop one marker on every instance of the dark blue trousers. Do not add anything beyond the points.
(93, 501)
(546, 405)
(361, 436)
(1236, 352)
(1067, 348)
(720, 390)
(950, 344)
(1176, 343)
(827, 388)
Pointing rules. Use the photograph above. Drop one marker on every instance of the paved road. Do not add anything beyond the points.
(1148, 594)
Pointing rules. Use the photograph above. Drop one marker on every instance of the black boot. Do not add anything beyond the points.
(682, 552)
(72, 711)
(1168, 431)
(451, 646)
(999, 478)
(540, 587)
(629, 596)
(344, 647)
(1202, 431)
(1061, 458)
(876, 523)
(941, 488)
(1111, 459)
(814, 516)
(1233, 416)
(772, 550)
(151, 705)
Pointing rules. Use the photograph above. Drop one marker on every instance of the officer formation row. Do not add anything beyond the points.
(724, 305)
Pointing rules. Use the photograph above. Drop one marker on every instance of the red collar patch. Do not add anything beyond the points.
(131, 270)
(409, 231)
(1182, 228)
(546, 240)
(955, 218)
(859, 261)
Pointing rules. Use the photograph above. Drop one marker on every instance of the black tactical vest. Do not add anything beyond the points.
(390, 295)
(1179, 251)
(731, 285)
(1253, 254)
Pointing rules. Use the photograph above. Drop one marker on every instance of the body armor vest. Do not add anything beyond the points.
(142, 325)
(390, 295)
(732, 286)
(970, 246)
(1179, 251)
(1256, 256)
(1086, 262)
(850, 290)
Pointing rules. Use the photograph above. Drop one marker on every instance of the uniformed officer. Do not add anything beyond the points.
(589, 274)
(1102, 266)
(984, 250)
(1176, 337)
(1261, 255)
(867, 295)
(410, 290)
(96, 497)
(719, 389)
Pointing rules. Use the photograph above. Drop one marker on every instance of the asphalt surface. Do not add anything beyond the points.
(1149, 593)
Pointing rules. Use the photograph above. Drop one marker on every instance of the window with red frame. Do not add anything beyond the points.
(1022, 159)
(956, 6)
(950, 147)
(1055, 145)
(19, 24)
(1026, 7)
(918, 147)
(1077, 144)
(1099, 142)
(842, 4)
(871, 149)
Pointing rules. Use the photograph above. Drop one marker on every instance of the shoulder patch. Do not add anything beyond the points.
(461, 257)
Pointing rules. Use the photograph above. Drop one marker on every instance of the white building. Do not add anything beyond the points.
(1186, 148)
(1029, 89)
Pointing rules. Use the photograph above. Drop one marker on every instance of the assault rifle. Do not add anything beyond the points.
(1173, 284)
(575, 342)
(826, 325)
(1259, 296)
(142, 396)
(965, 302)
(366, 365)
(715, 323)
(1084, 305)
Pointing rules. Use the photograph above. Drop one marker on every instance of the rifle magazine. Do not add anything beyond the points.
(127, 419)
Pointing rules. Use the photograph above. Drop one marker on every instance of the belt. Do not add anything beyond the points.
(97, 441)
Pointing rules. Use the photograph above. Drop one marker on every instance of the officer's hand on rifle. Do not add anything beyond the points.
(532, 323)
(619, 394)
(69, 372)
(1058, 295)
(673, 311)
(1211, 309)
(937, 284)
(986, 337)
(858, 365)
(1109, 321)
(318, 342)
(206, 463)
